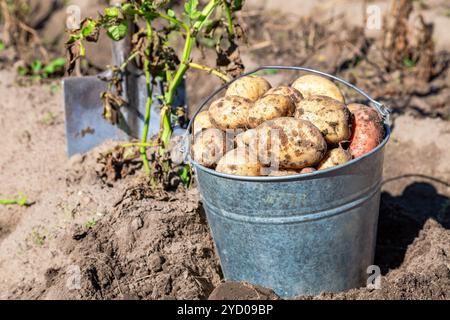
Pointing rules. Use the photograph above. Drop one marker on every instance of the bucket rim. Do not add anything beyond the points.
(300, 176)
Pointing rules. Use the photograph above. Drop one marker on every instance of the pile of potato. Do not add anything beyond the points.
(257, 130)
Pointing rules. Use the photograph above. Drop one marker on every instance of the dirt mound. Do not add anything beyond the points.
(152, 246)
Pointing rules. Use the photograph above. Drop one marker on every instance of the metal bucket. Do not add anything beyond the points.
(299, 234)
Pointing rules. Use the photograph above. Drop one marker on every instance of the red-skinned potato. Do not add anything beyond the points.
(368, 130)
(249, 87)
(313, 85)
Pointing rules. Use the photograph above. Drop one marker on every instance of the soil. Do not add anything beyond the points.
(122, 240)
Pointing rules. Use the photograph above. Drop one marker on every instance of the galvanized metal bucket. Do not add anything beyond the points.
(299, 234)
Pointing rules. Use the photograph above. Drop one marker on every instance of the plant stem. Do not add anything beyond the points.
(174, 20)
(213, 71)
(138, 144)
(229, 17)
(130, 58)
(20, 202)
(148, 104)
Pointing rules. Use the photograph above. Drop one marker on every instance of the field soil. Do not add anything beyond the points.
(93, 229)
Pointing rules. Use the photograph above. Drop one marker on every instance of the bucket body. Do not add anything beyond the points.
(302, 234)
(299, 234)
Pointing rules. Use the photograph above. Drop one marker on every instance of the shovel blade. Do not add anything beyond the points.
(85, 126)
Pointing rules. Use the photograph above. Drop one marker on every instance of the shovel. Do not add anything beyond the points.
(85, 126)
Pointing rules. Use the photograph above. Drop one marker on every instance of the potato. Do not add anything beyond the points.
(229, 112)
(239, 162)
(368, 129)
(270, 107)
(281, 173)
(308, 170)
(249, 87)
(312, 85)
(290, 92)
(209, 146)
(287, 142)
(329, 115)
(334, 157)
(201, 122)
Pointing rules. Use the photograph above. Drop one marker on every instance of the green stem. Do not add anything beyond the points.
(20, 202)
(181, 71)
(130, 58)
(174, 20)
(148, 104)
(229, 17)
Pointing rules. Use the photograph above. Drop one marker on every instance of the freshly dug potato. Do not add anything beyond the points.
(249, 87)
(229, 112)
(202, 121)
(368, 130)
(329, 115)
(282, 173)
(290, 92)
(291, 143)
(308, 170)
(269, 107)
(239, 162)
(312, 85)
(209, 146)
(334, 157)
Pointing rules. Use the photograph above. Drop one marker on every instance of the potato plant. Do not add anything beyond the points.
(153, 27)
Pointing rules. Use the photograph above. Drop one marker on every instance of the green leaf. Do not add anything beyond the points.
(171, 13)
(88, 28)
(237, 5)
(74, 38)
(54, 66)
(36, 66)
(112, 12)
(409, 63)
(129, 9)
(185, 175)
(118, 32)
(2, 46)
(22, 71)
(190, 10)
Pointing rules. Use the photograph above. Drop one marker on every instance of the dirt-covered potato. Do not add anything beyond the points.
(329, 115)
(290, 92)
(209, 146)
(334, 157)
(287, 142)
(201, 122)
(368, 130)
(239, 162)
(229, 112)
(270, 107)
(249, 87)
(282, 173)
(312, 85)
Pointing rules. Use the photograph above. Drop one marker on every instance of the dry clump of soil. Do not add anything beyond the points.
(151, 246)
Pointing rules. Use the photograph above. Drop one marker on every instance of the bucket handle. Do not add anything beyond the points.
(382, 109)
